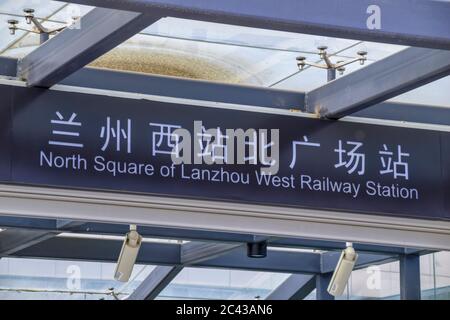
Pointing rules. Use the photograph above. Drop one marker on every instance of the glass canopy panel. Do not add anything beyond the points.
(6, 39)
(51, 14)
(193, 59)
(58, 279)
(200, 283)
(43, 8)
(435, 276)
(436, 93)
(244, 36)
(214, 51)
(27, 42)
(224, 52)
(376, 51)
(374, 282)
(68, 11)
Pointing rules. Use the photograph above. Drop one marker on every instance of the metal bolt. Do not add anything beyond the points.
(29, 14)
(363, 57)
(12, 26)
(322, 51)
(362, 53)
(301, 62)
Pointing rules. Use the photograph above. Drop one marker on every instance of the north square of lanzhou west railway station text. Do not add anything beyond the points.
(302, 182)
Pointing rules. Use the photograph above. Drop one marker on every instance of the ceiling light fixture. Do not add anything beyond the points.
(343, 271)
(128, 255)
(257, 249)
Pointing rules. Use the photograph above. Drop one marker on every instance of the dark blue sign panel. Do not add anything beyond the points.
(6, 95)
(105, 143)
(446, 172)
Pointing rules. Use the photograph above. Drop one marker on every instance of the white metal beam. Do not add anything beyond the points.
(223, 216)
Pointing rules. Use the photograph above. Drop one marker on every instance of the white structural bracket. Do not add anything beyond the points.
(223, 216)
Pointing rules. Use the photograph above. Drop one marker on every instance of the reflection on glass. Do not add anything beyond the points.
(374, 282)
(199, 283)
(435, 276)
(51, 279)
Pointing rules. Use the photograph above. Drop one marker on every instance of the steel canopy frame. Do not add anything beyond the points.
(249, 95)
(13, 240)
(99, 31)
(379, 81)
(405, 22)
(410, 277)
(120, 81)
(308, 268)
(158, 279)
(296, 287)
(367, 105)
(165, 254)
(94, 228)
(190, 253)
(16, 239)
(169, 254)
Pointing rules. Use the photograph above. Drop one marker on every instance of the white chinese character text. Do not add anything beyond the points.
(398, 168)
(353, 159)
(110, 133)
(305, 142)
(71, 123)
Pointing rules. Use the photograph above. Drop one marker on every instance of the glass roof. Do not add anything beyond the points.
(55, 279)
(436, 93)
(213, 51)
(199, 283)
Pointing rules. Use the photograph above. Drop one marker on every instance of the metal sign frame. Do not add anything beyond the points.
(222, 216)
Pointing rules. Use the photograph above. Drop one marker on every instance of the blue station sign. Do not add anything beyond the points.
(86, 141)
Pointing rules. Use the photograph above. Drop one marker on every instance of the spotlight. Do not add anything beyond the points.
(343, 271)
(257, 249)
(128, 255)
